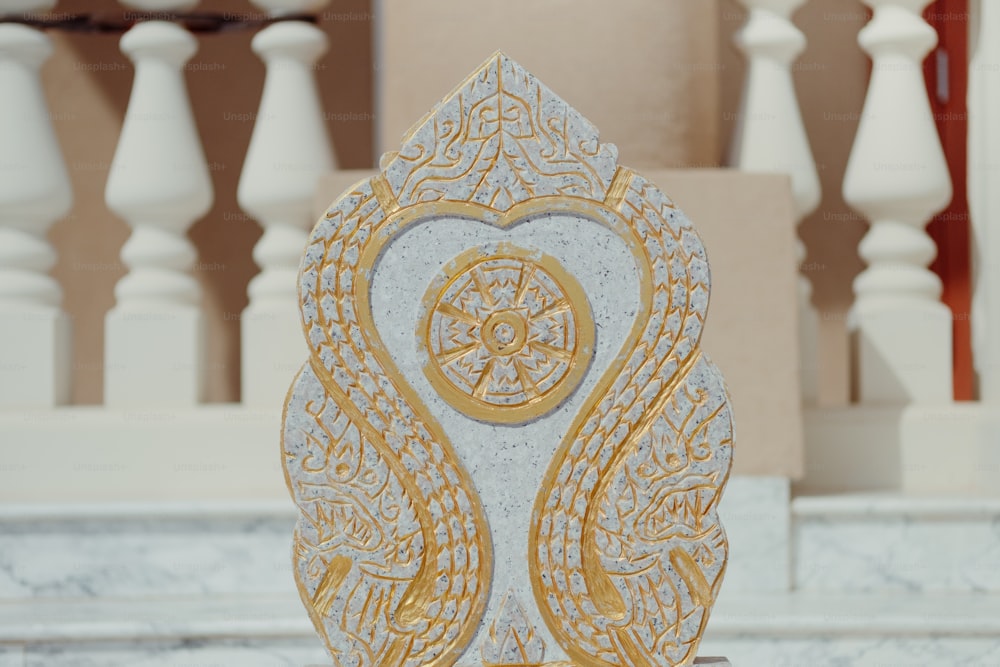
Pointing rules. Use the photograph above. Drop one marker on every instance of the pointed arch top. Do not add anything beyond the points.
(500, 138)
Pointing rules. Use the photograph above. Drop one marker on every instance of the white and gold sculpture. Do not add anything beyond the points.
(506, 446)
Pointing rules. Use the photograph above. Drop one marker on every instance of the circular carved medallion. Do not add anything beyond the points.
(507, 334)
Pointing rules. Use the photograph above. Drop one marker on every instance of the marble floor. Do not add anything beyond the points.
(852, 580)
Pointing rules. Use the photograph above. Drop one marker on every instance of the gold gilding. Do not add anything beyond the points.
(336, 572)
(507, 333)
(691, 574)
(466, 323)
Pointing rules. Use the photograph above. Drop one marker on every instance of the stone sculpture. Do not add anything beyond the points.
(506, 446)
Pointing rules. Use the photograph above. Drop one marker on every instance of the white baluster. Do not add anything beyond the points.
(897, 176)
(159, 183)
(770, 137)
(34, 192)
(984, 196)
(288, 152)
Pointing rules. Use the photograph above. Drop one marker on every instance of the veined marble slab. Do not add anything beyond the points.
(225, 653)
(12, 656)
(756, 512)
(869, 652)
(756, 629)
(897, 543)
(134, 550)
(748, 652)
(762, 616)
(151, 549)
(189, 618)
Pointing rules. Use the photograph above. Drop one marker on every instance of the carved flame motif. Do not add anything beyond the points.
(392, 550)
(512, 639)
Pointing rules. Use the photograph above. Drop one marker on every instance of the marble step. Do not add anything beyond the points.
(892, 543)
(145, 550)
(158, 549)
(821, 629)
(281, 616)
(854, 543)
(814, 629)
(246, 630)
(185, 653)
(196, 618)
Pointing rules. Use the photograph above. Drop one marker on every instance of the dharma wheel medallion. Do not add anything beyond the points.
(508, 335)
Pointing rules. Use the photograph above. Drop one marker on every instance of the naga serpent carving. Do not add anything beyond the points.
(392, 549)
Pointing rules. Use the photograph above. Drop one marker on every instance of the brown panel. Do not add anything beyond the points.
(947, 73)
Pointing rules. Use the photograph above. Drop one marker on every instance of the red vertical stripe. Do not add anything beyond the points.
(950, 228)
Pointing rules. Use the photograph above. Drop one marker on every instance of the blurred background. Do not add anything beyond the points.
(667, 93)
(837, 156)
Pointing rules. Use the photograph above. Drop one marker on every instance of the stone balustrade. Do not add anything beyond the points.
(897, 177)
(159, 183)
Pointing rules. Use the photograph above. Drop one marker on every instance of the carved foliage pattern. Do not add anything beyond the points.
(500, 139)
(424, 612)
(629, 550)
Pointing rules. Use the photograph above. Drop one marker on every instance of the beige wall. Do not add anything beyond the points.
(687, 109)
